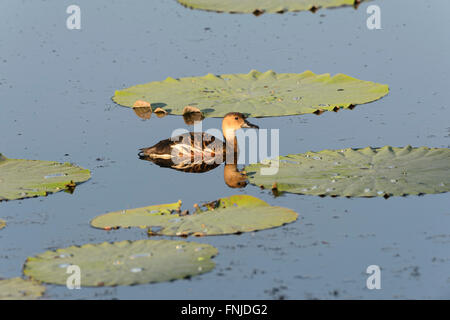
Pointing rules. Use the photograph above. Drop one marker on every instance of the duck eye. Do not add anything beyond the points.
(237, 118)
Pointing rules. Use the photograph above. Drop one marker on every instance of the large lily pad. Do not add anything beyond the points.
(20, 289)
(255, 94)
(123, 263)
(258, 7)
(2, 224)
(235, 214)
(21, 179)
(368, 172)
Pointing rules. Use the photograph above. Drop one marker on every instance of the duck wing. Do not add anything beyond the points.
(191, 141)
(195, 152)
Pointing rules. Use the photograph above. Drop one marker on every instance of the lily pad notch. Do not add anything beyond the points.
(255, 94)
(20, 179)
(231, 215)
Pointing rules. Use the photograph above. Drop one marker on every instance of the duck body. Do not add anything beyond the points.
(189, 152)
(197, 151)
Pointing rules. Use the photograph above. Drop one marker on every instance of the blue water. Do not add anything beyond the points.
(55, 89)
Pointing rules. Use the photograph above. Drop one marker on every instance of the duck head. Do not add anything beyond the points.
(234, 121)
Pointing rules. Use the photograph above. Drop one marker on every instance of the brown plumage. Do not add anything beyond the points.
(196, 151)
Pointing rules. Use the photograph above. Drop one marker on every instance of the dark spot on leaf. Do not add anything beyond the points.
(70, 187)
(318, 112)
(258, 12)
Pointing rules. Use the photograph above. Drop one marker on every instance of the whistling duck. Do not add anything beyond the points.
(198, 151)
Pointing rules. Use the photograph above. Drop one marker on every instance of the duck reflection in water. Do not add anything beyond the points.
(199, 152)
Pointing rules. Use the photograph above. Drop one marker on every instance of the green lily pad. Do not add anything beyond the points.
(2, 224)
(368, 172)
(258, 7)
(235, 214)
(21, 179)
(123, 263)
(255, 94)
(20, 289)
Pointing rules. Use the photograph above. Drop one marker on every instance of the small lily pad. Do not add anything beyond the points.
(235, 214)
(258, 7)
(142, 104)
(2, 224)
(123, 263)
(255, 94)
(368, 172)
(20, 289)
(21, 179)
(160, 112)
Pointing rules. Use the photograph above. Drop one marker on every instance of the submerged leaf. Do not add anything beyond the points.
(235, 214)
(21, 179)
(123, 263)
(258, 7)
(256, 94)
(2, 224)
(368, 172)
(20, 289)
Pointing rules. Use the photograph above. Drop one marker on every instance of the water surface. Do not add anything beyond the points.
(55, 89)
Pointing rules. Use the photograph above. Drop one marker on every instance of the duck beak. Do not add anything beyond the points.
(249, 125)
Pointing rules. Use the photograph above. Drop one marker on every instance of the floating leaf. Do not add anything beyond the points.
(142, 104)
(258, 7)
(256, 94)
(190, 109)
(160, 112)
(20, 289)
(2, 224)
(21, 179)
(123, 263)
(368, 172)
(235, 214)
